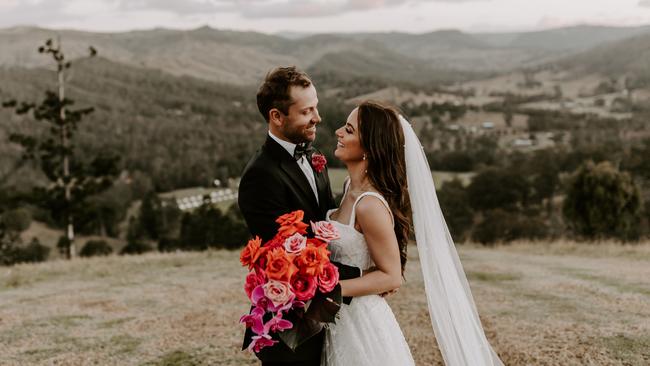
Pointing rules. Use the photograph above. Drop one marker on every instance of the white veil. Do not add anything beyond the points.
(452, 310)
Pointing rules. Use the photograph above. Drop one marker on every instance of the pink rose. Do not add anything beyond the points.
(318, 161)
(324, 231)
(254, 320)
(253, 279)
(261, 341)
(295, 243)
(304, 287)
(278, 292)
(328, 278)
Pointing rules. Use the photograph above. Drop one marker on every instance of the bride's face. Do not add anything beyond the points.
(348, 147)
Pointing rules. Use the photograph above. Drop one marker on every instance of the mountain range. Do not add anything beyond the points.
(242, 58)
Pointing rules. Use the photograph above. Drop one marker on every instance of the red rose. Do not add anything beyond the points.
(254, 279)
(328, 278)
(318, 161)
(304, 287)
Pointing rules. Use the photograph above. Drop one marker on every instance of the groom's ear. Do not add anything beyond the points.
(275, 117)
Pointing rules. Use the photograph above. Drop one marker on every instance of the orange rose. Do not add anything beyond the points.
(312, 259)
(279, 265)
(291, 223)
(316, 242)
(251, 252)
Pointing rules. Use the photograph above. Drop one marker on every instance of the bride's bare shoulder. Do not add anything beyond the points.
(372, 211)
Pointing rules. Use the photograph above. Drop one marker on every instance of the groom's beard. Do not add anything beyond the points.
(297, 135)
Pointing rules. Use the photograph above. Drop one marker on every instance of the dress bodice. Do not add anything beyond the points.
(351, 247)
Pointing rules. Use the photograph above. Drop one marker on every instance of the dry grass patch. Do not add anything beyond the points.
(541, 304)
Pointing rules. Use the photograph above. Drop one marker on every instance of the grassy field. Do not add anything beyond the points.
(541, 304)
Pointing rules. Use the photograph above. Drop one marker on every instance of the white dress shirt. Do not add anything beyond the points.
(304, 165)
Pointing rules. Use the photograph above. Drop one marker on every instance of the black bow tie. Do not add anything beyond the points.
(302, 150)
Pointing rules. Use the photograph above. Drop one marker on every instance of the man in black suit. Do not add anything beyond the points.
(280, 179)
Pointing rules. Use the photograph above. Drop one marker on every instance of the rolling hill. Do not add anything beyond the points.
(242, 58)
(626, 58)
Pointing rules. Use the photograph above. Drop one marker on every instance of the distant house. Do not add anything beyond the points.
(191, 198)
(487, 125)
(522, 143)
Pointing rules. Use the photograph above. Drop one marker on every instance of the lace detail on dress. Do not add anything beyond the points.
(351, 248)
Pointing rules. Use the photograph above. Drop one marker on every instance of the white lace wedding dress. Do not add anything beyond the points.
(366, 332)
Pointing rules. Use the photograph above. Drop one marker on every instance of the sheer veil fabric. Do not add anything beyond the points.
(455, 321)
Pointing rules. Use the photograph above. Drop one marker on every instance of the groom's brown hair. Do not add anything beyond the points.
(274, 91)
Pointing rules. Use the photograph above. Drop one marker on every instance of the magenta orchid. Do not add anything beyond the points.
(261, 341)
(254, 320)
(277, 324)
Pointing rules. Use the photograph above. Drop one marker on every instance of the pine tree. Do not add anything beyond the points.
(71, 180)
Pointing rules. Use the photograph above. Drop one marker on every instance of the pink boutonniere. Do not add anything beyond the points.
(318, 162)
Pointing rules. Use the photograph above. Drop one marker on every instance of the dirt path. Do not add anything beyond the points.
(538, 307)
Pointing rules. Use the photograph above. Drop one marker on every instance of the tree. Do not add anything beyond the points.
(500, 225)
(497, 188)
(602, 202)
(16, 221)
(71, 179)
(455, 206)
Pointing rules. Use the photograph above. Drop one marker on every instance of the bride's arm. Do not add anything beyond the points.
(377, 226)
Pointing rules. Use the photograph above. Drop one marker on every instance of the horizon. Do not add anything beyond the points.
(324, 16)
(298, 34)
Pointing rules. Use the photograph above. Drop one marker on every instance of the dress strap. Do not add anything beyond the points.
(364, 194)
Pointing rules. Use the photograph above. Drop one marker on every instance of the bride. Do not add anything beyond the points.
(384, 157)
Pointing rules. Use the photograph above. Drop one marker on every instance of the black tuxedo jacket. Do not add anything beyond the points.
(273, 184)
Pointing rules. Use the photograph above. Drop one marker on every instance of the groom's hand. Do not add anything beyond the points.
(388, 293)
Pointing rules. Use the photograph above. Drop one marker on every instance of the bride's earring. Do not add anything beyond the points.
(364, 158)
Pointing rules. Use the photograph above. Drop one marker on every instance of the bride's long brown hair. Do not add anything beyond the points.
(382, 138)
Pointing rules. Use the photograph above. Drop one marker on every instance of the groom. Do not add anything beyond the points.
(280, 178)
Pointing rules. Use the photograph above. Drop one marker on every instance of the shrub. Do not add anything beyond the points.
(602, 202)
(136, 247)
(503, 226)
(169, 245)
(32, 253)
(17, 220)
(64, 246)
(96, 248)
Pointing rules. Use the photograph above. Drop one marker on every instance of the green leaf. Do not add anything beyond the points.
(302, 330)
(324, 307)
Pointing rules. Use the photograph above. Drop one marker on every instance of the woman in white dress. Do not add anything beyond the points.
(390, 184)
(373, 220)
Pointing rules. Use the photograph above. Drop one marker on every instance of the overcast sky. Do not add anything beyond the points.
(317, 16)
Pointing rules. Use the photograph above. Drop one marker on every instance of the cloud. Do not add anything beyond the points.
(45, 12)
(644, 3)
(269, 8)
(35, 12)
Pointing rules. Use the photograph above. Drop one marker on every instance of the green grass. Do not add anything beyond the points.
(174, 358)
(630, 350)
(492, 277)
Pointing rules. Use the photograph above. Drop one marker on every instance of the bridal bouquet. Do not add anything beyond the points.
(292, 284)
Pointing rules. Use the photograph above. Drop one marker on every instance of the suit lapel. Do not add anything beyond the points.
(296, 174)
(321, 187)
(293, 171)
